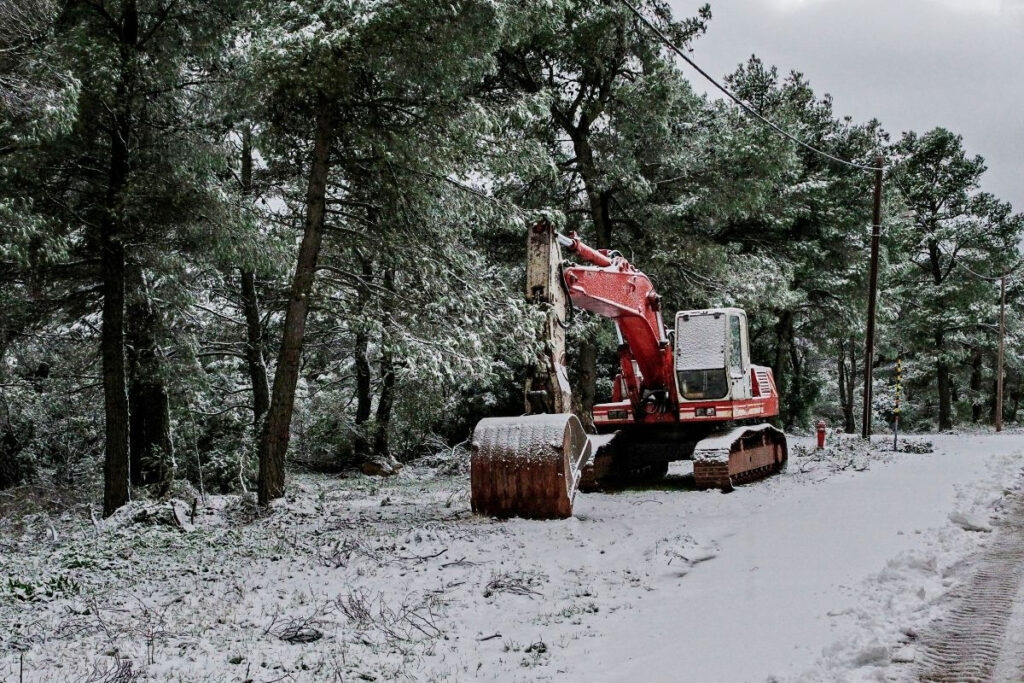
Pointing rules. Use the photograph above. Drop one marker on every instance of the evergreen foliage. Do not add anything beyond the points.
(231, 232)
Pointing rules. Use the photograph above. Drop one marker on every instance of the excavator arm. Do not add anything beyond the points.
(611, 287)
(531, 466)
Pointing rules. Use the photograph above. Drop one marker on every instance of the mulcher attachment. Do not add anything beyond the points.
(527, 466)
(738, 456)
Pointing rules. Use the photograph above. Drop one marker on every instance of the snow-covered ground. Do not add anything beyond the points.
(822, 573)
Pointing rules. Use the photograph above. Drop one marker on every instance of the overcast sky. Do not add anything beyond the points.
(912, 64)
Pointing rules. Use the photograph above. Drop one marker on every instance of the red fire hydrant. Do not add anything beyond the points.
(821, 434)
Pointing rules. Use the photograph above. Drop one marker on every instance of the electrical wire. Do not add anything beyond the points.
(992, 278)
(746, 107)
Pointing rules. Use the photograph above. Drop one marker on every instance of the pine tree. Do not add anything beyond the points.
(955, 233)
(118, 190)
(336, 79)
(615, 118)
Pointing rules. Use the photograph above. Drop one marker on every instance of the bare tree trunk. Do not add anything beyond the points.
(364, 398)
(783, 332)
(842, 375)
(945, 396)
(941, 367)
(851, 419)
(277, 427)
(846, 391)
(796, 400)
(151, 448)
(587, 380)
(598, 201)
(977, 402)
(254, 358)
(385, 404)
(387, 381)
(116, 468)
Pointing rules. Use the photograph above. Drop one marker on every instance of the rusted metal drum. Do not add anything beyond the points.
(527, 466)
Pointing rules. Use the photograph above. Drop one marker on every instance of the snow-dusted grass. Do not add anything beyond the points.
(822, 573)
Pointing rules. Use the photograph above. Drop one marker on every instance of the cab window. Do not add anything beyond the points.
(701, 385)
(735, 347)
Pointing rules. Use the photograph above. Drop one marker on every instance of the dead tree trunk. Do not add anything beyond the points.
(116, 468)
(276, 429)
(385, 404)
(941, 367)
(851, 419)
(115, 394)
(796, 401)
(945, 396)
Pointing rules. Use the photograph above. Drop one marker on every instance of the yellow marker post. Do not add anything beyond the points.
(896, 422)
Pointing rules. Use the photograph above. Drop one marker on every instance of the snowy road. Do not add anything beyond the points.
(813, 579)
(982, 638)
(836, 570)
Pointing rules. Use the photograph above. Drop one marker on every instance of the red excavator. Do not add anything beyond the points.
(686, 394)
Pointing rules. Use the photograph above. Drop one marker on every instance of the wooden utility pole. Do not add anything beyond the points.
(1001, 355)
(869, 343)
(1002, 350)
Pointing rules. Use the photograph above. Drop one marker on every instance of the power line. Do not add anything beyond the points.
(746, 107)
(992, 278)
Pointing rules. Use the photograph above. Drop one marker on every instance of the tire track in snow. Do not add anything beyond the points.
(1010, 666)
(972, 642)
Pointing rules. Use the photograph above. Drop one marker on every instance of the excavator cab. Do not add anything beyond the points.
(712, 355)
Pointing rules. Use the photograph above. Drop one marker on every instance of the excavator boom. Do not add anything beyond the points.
(614, 289)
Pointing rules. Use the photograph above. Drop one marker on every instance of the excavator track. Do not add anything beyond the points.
(619, 460)
(739, 456)
(722, 459)
(527, 466)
